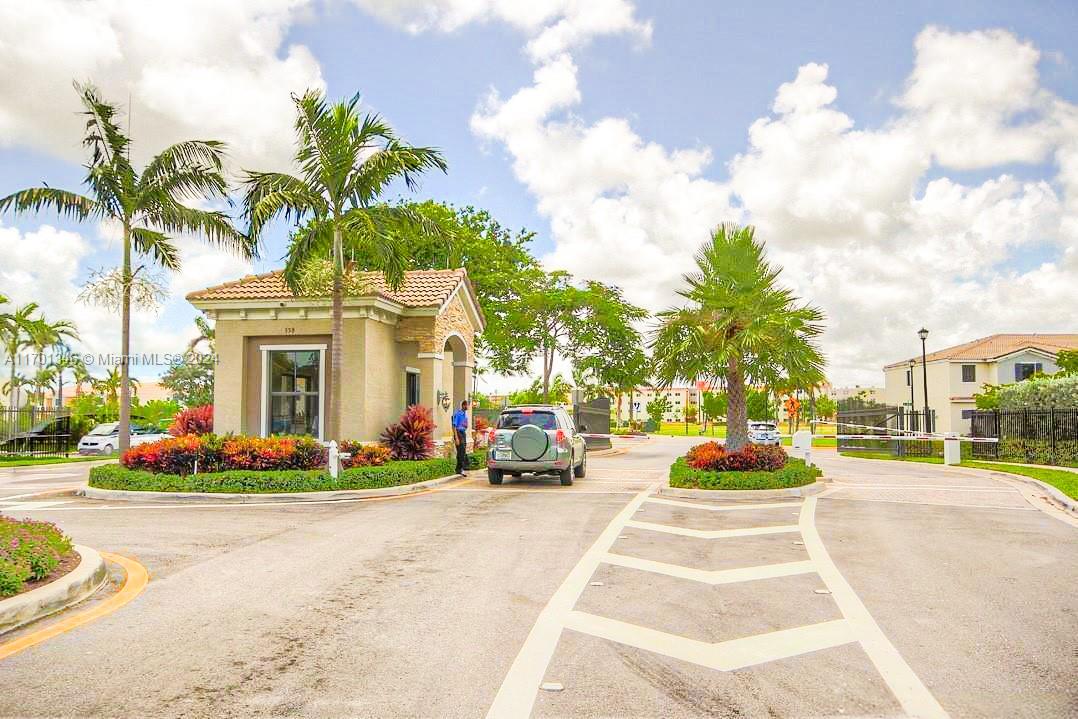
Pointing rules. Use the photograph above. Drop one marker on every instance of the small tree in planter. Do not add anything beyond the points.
(412, 437)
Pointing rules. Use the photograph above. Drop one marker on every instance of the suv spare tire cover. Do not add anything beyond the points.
(530, 442)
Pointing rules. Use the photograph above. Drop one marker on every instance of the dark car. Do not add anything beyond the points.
(51, 435)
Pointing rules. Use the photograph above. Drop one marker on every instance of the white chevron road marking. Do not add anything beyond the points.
(712, 533)
(723, 656)
(713, 577)
(720, 507)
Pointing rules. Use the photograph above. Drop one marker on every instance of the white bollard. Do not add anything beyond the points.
(334, 462)
(802, 445)
(952, 449)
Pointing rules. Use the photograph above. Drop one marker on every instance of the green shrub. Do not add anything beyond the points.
(391, 474)
(1039, 451)
(29, 550)
(795, 474)
(1040, 393)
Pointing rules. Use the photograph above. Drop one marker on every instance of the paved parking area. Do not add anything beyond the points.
(905, 589)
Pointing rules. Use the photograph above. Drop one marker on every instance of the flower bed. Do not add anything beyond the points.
(29, 551)
(389, 474)
(794, 473)
(714, 457)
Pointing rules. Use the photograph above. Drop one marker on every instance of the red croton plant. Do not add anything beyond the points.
(712, 456)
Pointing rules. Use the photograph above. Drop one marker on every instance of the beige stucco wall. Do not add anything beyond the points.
(377, 349)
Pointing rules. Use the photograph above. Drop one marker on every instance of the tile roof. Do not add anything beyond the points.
(993, 346)
(421, 288)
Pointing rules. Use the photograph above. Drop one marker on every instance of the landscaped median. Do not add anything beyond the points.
(756, 470)
(42, 572)
(206, 465)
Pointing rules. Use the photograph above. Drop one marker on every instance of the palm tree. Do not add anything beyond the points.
(65, 361)
(345, 165)
(15, 329)
(14, 385)
(739, 324)
(81, 374)
(147, 206)
(205, 334)
(110, 385)
(45, 335)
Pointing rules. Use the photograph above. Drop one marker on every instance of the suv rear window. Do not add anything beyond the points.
(515, 420)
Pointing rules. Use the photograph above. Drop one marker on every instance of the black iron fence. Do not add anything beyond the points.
(1033, 436)
(35, 432)
(887, 422)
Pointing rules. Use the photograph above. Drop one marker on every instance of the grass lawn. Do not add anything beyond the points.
(1066, 482)
(1061, 479)
(692, 429)
(816, 441)
(32, 461)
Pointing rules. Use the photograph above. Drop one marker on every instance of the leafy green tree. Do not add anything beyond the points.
(739, 325)
(714, 405)
(1067, 361)
(558, 392)
(346, 164)
(147, 206)
(657, 409)
(611, 351)
(554, 317)
(758, 405)
(157, 412)
(191, 381)
(825, 407)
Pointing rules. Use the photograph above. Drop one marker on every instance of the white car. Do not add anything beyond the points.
(105, 438)
(764, 433)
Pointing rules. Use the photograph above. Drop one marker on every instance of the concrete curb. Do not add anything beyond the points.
(72, 588)
(803, 491)
(234, 498)
(1054, 494)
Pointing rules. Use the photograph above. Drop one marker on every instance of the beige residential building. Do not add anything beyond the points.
(956, 373)
(682, 400)
(412, 345)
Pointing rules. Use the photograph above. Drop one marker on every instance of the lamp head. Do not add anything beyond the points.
(923, 334)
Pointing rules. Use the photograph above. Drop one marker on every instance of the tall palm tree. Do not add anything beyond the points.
(739, 324)
(109, 386)
(147, 206)
(346, 162)
(65, 360)
(15, 329)
(14, 385)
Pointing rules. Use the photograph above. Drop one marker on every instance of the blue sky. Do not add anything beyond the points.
(696, 79)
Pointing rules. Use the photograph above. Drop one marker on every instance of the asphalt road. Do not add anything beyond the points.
(948, 590)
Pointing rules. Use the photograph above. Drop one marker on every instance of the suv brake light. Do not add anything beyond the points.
(560, 436)
(491, 436)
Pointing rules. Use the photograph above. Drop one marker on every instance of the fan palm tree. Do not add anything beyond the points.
(147, 206)
(15, 328)
(346, 162)
(739, 324)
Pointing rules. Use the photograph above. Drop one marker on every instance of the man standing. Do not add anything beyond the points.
(460, 436)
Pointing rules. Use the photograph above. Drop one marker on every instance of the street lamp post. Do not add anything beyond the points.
(913, 406)
(923, 334)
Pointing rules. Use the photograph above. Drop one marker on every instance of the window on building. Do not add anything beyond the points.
(294, 400)
(969, 373)
(967, 414)
(411, 387)
(1025, 370)
(909, 377)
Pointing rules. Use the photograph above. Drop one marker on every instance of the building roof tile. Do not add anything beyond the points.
(1000, 345)
(421, 288)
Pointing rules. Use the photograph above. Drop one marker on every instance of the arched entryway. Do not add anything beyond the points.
(456, 380)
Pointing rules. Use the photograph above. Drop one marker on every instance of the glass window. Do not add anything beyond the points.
(295, 392)
(969, 373)
(909, 377)
(1025, 370)
(967, 413)
(411, 388)
(516, 420)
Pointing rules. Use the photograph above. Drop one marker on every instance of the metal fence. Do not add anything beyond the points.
(1034, 436)
(34, 432)
(887, 421)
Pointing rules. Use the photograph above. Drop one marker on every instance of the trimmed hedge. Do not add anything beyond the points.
(391, 474)
(795, 474)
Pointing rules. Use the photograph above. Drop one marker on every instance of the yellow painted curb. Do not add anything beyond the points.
(134, 582)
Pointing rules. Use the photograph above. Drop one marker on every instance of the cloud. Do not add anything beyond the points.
(198, 69)
(54, 259)
(866, 222)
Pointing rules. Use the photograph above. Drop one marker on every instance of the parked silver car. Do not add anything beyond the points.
(105, 438)
(536, 439)
(764, 433)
